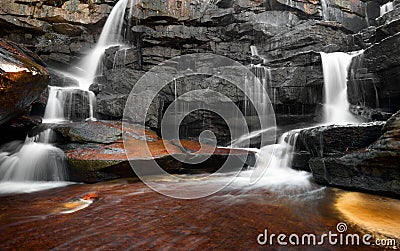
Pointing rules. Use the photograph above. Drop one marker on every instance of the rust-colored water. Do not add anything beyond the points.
(126, 215)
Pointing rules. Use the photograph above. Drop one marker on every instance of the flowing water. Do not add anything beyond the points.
(386, 8)
(127, 215)
(29, 165)
(336, 106)
(111, 34)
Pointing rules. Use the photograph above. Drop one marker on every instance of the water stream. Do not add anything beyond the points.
(386, 8)
(336, 105)
(29, 166)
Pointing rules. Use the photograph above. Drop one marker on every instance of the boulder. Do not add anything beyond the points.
(373, 168)
(325, 140)
(23, 78)
(95, 151)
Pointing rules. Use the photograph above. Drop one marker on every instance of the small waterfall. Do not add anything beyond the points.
(33, 162)
(386, 8)
(32, 166)
(325, 9)
(273, 168)
(110, 35)
(69, 104)
(254, 50)
(280, 155)
(336, 107)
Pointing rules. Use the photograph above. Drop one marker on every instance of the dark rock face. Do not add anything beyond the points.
(325, 140)
(374, 74)
(23, 78)
(287, 35)
(373, 168)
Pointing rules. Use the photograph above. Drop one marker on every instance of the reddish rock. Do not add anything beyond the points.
(23, 78)
(92, 160)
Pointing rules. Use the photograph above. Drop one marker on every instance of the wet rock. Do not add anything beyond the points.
(95, 151)
(325, 140)
(94, 132)
(18, 128)
(375, 76)
(68, 29)
(23, 78)
(369, 114)
(374, 168)
(60, 80)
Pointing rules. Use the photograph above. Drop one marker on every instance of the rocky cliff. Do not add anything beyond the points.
(286, 34)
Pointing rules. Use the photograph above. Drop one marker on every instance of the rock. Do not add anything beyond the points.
(324, 140)
(374, 168)
(371, 171)
(23, 78)
(375, 74)
(350, 14)
(95, 151)
(59, 79)
(18, 128)
(111, 105)
(68, 29)
(70, 11)
(93, 132)
(369, 114)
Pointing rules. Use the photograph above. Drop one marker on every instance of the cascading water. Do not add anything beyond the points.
(336, 107)
(273, 169)
(29, 166)
(110, 35)
(325, 10)
(386, 8)
(32, 165)
(273, 166)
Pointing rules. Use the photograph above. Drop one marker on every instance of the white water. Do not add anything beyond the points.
(254, 50)
(325, 10)
(110, 35)
(386, 8)
(336, 106)
(63, 102)
(27, 168)
(33, 167)
(273, 167)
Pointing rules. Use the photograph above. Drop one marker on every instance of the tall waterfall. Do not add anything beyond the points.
(64, 100)
(110, 35)
(336, 107)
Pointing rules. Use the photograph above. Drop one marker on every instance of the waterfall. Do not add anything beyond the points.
(110, 35)
(32, 166)
(273, 168)
(69, 104)
(63, 102)
(27, 165)
(386, 8)
(254, 50)
(336, 107)
(325, 9)
(33, 162)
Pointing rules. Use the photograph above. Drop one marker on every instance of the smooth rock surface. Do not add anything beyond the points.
(374, 168)
(23, 78)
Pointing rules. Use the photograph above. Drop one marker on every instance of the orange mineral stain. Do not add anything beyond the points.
(373, 213)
